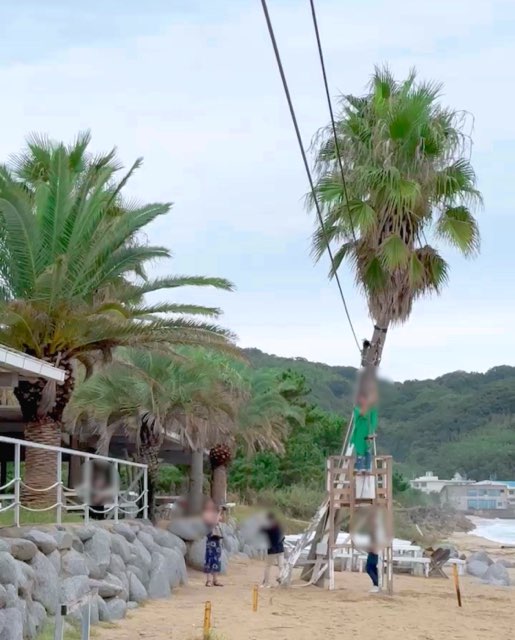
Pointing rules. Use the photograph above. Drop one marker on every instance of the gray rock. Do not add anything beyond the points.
(117, 565)
(124, 530)
(64, 540)
(22, 549)
(137, 591)
(480, 556)
(121, 547)
(142, 575)
(477, 568)
(188, 529)
(85, 533)
(73, 564)
(46, 583)
(78, 545)
(94, 617)
(2, 621)
(11, 596)
(73, 588)
(3, 596)
(140, 556)
(8, 573)
(13, 625)
(103, 613)
(132, 605)
(159, 585)
(55, 559)
(148, 542)
(25, 579)
(98, 554)
(497, 575)
(116, 609)
(3, 545)
(43, 541)
(230, 542)
(36, 618)
(167, 539)
(106, 588)
(176, 566)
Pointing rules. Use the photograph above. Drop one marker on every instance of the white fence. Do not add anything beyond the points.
(122, 494)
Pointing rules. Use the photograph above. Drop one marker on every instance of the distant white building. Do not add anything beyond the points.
(433, 484)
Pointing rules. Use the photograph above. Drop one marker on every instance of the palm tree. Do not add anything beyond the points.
(408, 178)
(73, 281)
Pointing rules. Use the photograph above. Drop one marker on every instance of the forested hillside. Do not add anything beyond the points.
(459, 422)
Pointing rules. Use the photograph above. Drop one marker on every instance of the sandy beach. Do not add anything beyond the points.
(421, 609)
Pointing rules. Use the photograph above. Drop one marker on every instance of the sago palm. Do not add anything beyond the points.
(410, 186)
(72, 279)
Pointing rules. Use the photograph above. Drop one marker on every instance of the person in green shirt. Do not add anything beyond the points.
(365, 425)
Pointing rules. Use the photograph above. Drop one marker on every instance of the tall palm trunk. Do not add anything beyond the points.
(148, 453)
(196, 490)
(219, 485)
(42, 404)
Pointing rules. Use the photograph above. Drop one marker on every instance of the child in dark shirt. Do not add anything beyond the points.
(275, 552)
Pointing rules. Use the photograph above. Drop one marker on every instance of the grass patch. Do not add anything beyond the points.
(43, 517)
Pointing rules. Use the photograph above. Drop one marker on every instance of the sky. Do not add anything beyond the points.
(192, 87)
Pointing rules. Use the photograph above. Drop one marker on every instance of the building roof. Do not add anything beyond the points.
(12, 361)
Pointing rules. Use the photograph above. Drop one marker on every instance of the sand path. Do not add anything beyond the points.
(421, 609)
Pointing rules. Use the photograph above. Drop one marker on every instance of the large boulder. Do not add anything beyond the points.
(230, 541)
(480, 556)
(8, 572)
(147, 540)
(477, 568)
(55, 559)
(121, 547)
(21, 549)
(117, 565)
(159, 585)
(3, 596)
(124, 530)
(73, 564)
(13, 624)
(73, 588)
(85, 533)
(25, 579)
(98, 553)
(63, 539)
(497, 575)
(116, 609)
(137, 592)
(36, 618)
(167, 539)
(108, 588)
(188, 529)
(46, 583)
(103, 613)
(143, 575)
(140, 556)
(43, 541)
(509, 564)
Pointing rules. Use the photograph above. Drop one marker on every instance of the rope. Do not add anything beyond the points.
(29, 488)
(306, 165)
(57, 504)
(9, 506)
(8, 484)
(331, 113)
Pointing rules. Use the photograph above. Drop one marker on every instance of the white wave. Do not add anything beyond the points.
(495, 529)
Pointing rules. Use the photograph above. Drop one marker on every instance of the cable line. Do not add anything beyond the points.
(306, 164)
(331, 113)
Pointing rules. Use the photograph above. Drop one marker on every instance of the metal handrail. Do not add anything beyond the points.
(60, 493)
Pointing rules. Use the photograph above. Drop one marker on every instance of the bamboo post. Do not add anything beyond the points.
(457, 584)
(207, 620)
(255, 598)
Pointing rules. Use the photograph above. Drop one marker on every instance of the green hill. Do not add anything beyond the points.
(458, 422)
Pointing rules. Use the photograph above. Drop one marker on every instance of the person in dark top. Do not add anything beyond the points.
(275, 552)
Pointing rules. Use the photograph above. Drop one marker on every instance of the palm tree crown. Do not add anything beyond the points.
(408, 178)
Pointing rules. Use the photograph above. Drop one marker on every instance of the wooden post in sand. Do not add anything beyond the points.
(457, 583)
(255, 598)
(207, 621)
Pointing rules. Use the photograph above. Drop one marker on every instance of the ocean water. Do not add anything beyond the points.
(496, 530)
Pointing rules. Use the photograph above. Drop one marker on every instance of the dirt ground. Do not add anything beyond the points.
(421, 609)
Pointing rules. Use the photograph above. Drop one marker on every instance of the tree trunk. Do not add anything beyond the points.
(196, 491)
(219, 485)
(150, 443)
(40, 465)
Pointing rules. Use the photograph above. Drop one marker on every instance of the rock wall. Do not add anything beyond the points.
(125, 563)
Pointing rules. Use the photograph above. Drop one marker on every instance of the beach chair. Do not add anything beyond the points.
(438, 559)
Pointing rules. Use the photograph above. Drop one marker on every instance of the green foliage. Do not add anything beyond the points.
(170, 479)
(461, 421)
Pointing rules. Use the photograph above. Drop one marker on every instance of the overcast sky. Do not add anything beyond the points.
(192, 86)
